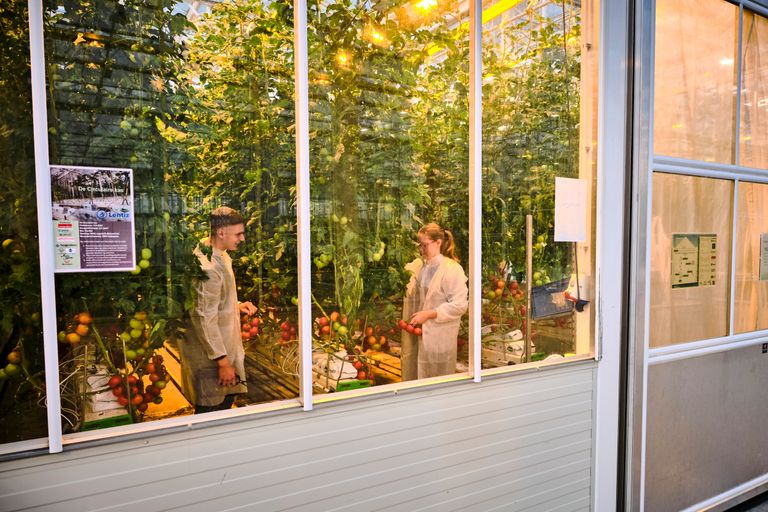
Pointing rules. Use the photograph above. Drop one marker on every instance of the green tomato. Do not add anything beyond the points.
(536, 276)
(62, 336)
(125, 336)
(136, 323)
(136, 333)
(12, 370)
(146, 253)
(3, 375)
(343, 221)
(130, 354)
(136, 271)
(295, 301)
(144, 264)
(342, 331)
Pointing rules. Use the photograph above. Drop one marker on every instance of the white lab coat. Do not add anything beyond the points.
(435, 352)
(213, 331)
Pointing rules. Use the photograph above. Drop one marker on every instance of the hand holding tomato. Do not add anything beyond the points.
(247, 308)
(421, 317)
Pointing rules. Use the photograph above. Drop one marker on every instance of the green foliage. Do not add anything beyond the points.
(531, 106)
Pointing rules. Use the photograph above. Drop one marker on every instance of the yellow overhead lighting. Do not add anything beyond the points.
(342, 58)
(426, 5)
(497, 9)
(677, 126)
(726, 61)
(491, 13)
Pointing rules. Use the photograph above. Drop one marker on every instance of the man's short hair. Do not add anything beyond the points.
(224, 216)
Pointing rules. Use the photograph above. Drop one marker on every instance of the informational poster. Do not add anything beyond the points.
(764, 257)
(93, 219)
(694, 260)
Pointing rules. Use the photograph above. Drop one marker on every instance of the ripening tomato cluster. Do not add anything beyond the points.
(410, 328)
(130, 389)
(135, 336)
(498, 289)
(77, 329)
(287, 332)
(333, 325)
(249, 328)
(374, 340)
(13, 368)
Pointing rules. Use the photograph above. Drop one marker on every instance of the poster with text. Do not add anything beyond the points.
(93, 219)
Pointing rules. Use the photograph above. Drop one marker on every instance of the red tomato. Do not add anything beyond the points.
(153, 390)
(417, 331)
(118, 390)
(361, 375)
(326, 329)
(410, 328)
(151, 368)
(122, 401)
(285, 336)
(142, 407)
(344, 320)
(402, 324)
(136, 400)
(323, 321)
(255, 322)
(114, 381)
(523, 310)
(368, 331)
(148, 397)
(285, 326)
(334, 316)
(254, 331)
(245, 335)
(357, 365)
(153, 377)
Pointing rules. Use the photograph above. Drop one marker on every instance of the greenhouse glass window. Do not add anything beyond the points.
(194, 113)
(695, 79)
(539, 104)
(173, 130)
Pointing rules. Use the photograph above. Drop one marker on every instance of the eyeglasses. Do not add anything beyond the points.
(425, 244)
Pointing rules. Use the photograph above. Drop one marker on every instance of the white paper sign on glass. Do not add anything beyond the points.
(570, 210)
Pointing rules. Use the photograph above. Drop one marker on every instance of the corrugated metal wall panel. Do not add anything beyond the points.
(519, 442)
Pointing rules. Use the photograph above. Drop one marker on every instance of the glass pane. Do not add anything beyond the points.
(690, 258)
(539, 94)
(695, 79)
(22, 380)
(753, 150)
(751, 281)
(389, 142)
(197, 100)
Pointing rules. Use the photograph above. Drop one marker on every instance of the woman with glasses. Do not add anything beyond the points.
(436, 299)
